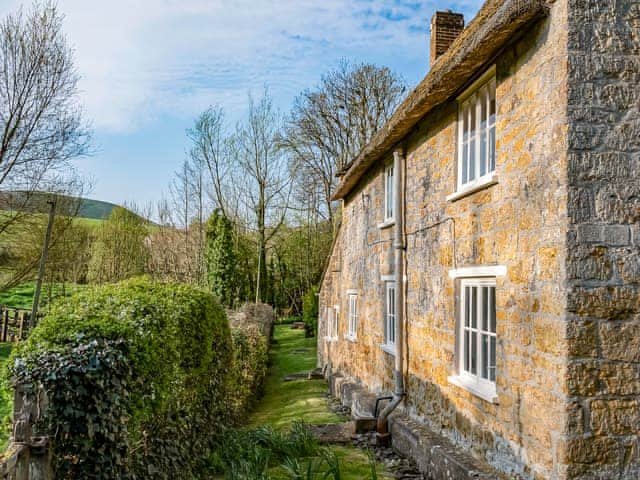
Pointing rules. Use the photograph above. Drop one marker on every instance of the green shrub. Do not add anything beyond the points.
(249, 367)
(310, 311)
(88, 389)
(148, 363)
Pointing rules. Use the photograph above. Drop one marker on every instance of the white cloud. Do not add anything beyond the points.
(143, 59)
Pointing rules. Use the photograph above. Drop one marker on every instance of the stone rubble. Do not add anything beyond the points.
(401, 468)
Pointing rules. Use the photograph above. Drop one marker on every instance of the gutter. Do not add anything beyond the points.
(399, 249)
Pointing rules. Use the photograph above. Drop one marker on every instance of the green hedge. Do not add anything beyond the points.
(137, 376)
(250, 358)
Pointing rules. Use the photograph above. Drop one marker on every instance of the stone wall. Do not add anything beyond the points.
(564, 218)
(603, 265)
(520, 222)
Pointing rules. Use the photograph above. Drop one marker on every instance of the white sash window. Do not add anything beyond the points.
(477, 135)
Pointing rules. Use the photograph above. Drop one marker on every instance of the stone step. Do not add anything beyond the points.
(364, 424)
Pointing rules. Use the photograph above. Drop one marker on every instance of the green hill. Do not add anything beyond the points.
(37, 203)
(95, 209)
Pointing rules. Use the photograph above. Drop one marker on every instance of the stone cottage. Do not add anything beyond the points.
(486, 275)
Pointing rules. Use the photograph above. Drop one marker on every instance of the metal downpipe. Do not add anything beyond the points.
(398, 246)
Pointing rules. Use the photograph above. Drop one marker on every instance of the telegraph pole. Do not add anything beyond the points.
(43, 261)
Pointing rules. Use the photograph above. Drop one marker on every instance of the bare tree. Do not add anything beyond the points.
(330, 125)
(263, 178)
(41, 124)
(211, 149)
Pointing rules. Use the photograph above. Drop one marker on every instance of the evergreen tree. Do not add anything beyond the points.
(221, 259)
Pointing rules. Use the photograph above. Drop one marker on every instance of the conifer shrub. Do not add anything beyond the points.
(310, 311)
(136, 376)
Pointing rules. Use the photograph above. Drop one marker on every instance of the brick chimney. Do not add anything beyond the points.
(445, 28)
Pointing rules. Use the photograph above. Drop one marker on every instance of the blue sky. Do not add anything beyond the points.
(148, 67)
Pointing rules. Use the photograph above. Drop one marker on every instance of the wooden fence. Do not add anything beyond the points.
(15, 324)
(28, 456)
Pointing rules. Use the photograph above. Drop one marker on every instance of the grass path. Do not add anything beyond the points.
(285, 402)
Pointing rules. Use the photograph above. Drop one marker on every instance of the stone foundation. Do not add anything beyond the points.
(435, 456)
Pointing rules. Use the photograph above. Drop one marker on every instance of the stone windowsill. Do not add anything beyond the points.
(351, 338)
(390, 349)
(485, 390)
(330, 339)
(483, 183)
(389, 222)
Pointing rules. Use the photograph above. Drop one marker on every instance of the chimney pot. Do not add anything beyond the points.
(445, 28)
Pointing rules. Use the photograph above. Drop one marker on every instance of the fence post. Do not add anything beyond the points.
(5, 323)
(40, 462)
(15, 324)
(34, 462)
(22, 430)
(22, 316)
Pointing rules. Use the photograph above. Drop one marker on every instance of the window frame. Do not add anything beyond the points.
(389, 195)
(390, 318)
(485, 84)
(352, 325)
(475, 382)
(332, 323)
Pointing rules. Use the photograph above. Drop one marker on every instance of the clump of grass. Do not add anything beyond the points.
(248, 454)
(325, 466)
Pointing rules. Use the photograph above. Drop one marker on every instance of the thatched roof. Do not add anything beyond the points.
(496, 23)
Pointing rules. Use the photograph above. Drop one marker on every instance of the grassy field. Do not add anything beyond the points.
(285, 402)
(22, 295)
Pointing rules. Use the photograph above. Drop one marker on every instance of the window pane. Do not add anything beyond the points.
(390, 317)
(484, 367)
(465, 351)
(472, 140)
(492, 149)
(474, 353)
(485, 314)
(467, 302)
(492, 309)
(483, 132)
(474, 307)
(392, 329)
(492, 359)
(492, 103)
(465, 122)
(465, 144)
(390, 192)
(492, 126)
(465, 162)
